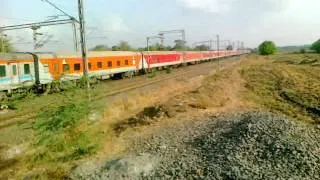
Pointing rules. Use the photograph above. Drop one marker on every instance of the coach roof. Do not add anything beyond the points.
(90, 54)
(15, 56)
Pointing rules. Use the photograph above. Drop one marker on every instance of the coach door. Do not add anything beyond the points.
(14, 74)
(56, 71)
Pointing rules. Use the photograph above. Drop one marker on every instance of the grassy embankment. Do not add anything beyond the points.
(68, 128)
(58, 134)
(286, 83)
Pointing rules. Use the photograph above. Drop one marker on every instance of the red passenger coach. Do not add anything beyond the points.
(193, 56)
(158, 59)
(208, 55)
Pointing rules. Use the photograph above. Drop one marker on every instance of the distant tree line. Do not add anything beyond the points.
(5, 45)
(293, 48)
(179, 45)
(269, 48)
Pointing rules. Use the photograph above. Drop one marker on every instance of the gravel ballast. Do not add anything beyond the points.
(250, 145)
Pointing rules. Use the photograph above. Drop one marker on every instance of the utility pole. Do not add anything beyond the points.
(242, 46)
(218, 47)
(181, 31)
(183, 36)
(75, 36)
(35, 27)
(72, 19)
(35, 34)
(153, 37)
(83, 42)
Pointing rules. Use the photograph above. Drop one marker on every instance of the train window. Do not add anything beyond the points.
(118, 63)
(109, 63)
(126, 62)
(76, 67)
(89, 66)
(66, 67)
(14, 70)
(46, 68)
(26, 68)
(99, 64)
(2, 71)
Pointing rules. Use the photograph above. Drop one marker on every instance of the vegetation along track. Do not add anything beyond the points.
(122, 86)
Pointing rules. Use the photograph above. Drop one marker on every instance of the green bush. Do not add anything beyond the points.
(152, 74)
(58, 135)
(267, 48)
(63, 117)
(316, 46)
(168, 70)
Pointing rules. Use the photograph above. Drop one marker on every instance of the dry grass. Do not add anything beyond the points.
(285, 83)
(215, 94)
(122, 108)
(62, 147)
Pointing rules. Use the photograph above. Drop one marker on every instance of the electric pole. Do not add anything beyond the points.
(153, 37)
(75, 36)
(180, 31)
(218, 47)
(35, 34)
(83, 42)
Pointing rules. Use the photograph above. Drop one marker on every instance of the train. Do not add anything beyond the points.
(27, 69)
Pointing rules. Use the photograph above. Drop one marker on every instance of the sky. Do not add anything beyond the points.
(286, 22)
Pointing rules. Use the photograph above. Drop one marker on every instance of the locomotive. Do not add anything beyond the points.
(19, 70)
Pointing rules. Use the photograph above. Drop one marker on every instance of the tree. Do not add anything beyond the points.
(180, 45)
(115, 48)
(229, 47)
(316, 46)
(202, 48)
(302, 51)
(267, 48)
(5, 45)
(100, 47)
(155, 47)
(168, 48)
(158, 47)
(124, 46)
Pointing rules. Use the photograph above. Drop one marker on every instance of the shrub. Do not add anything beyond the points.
(316, 46)
(267, 48)
(153, 74)
(168, 70)
(58, 135)
(302, 51)
(61, 118)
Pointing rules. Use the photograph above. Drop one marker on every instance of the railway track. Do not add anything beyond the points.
(196, 71)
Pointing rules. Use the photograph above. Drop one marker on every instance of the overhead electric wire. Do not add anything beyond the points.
(56, 7)
(20, 19)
